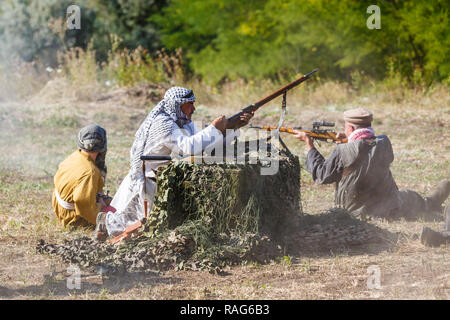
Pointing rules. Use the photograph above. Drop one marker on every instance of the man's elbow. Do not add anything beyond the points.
(319, 181)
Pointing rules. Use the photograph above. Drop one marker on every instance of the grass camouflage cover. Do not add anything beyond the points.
(205, 217)
(235, 197)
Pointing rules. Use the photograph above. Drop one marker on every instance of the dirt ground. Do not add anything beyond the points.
(36, 136)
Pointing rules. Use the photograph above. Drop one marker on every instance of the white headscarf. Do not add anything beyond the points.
(158, 125)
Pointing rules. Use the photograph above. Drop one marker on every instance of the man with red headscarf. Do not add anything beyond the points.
(361, 171)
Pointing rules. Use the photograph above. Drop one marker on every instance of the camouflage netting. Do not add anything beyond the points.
(236, 198)
(205, 216)
(190, 246)
(208, 216)
(336, 230)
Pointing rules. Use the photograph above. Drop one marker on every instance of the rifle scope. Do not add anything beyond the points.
(317, 124)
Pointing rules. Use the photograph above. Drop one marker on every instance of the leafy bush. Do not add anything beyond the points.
(129, 67)
(269, 38)
(35, 30)
(129, 20)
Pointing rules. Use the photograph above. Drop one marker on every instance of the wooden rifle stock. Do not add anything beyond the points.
(315, 134)
(234, 119)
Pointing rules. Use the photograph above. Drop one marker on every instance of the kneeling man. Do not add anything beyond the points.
(80, 177)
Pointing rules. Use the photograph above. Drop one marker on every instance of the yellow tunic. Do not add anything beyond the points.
(78, 180)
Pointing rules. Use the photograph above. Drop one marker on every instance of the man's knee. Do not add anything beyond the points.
(413, 205)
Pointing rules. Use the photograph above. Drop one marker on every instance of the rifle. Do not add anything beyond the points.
(233, 121)
(106, 197)
(316, 132)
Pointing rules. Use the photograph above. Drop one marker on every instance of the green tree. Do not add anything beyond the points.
(269, 38)
(35, 30)
(128, 19)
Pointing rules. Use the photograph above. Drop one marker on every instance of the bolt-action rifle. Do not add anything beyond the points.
(316, 132)
(233, 121)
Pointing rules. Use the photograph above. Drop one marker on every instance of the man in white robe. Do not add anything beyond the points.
(167, 131)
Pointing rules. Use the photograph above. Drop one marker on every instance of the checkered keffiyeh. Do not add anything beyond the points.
(158, 125)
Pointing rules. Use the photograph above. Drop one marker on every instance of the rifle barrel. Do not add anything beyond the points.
(156, 158)
(272, 96)
(285, 88)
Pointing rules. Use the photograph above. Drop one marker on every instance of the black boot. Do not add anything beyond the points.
(433, 238)
(436, 199)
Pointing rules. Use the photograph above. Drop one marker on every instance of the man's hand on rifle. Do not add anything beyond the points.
(220, 123)
(303, 136)
(101, 205)
(244, 119)
(341, 136)
(103, 200)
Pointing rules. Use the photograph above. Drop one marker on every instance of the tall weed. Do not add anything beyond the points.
(127, 67)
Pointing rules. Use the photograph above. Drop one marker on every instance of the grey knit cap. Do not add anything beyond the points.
(92, 138)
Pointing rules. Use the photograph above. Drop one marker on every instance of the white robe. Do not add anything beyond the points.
(187, 141)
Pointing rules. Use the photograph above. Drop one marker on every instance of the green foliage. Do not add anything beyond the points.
(36, 30)
(272, 38)
(286, 260)
(132, 67)
(251, 39)
(129, 20)
(66, 121)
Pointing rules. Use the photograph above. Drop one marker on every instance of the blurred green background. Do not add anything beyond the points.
(224, 40)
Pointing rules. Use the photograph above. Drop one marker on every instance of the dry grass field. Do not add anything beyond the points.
(39, 133)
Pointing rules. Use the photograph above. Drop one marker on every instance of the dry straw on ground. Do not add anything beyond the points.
(415, 119)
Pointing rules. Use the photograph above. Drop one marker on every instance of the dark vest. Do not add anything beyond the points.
(367, 186)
